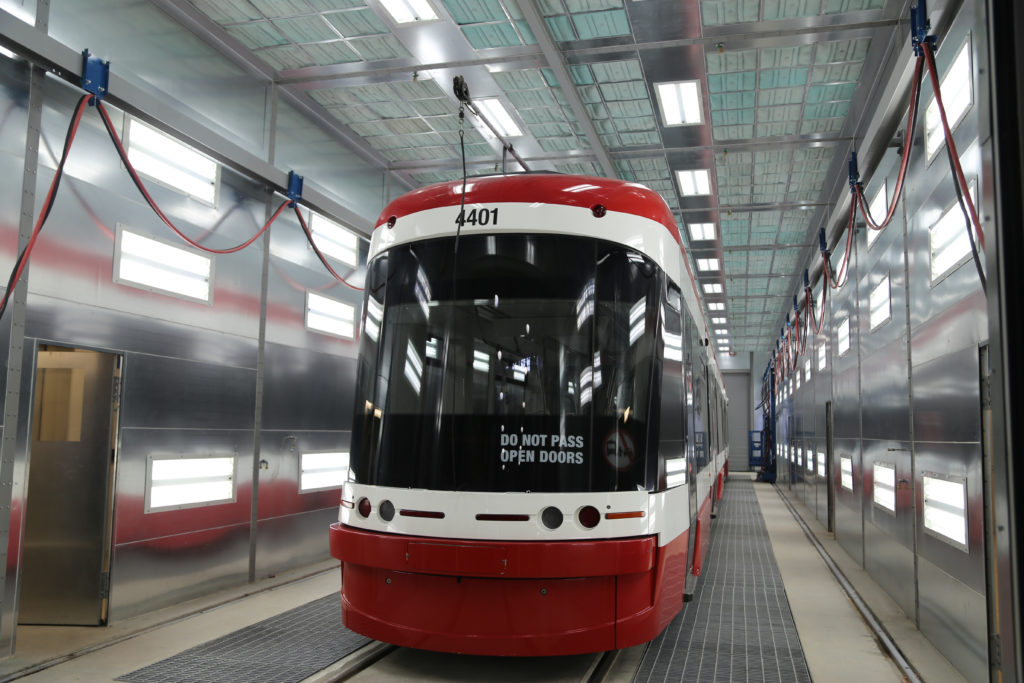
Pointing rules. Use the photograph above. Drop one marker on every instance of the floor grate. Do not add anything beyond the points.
(739, 626)
(288, 647)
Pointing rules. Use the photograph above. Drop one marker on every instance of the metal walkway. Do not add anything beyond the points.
(739, 626)
(288, 647)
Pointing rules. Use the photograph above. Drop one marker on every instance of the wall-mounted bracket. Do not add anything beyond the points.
(854, 173)
(95, 76)
(294, 188)
(919, 26)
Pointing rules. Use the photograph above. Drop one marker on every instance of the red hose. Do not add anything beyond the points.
(933, 72)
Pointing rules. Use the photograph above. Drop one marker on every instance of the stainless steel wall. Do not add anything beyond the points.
(907, 395)
(193, 374)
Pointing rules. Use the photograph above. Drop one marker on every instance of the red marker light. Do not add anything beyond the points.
(588, 516)
(364, 507)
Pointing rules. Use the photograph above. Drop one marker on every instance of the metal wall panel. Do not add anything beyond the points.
(161, 392)
(737, 388)
(294, 540)
(849, 504)
(304, 390)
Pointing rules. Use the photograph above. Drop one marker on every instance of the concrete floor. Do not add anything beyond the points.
(837, 643)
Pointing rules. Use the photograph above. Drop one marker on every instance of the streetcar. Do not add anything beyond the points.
(539, 433)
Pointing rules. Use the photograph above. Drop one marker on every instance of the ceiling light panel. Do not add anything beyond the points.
(694, 182)
(408, 11)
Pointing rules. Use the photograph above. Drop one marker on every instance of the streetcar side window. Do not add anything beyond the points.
(672, 424)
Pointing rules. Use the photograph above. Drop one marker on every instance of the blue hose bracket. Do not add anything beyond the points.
(95, 76)
(919, 26)
(294, 188)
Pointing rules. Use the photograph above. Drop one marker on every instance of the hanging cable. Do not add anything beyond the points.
(316, 250)
(121, 152)
(23, 257)
(908, 140)
(809, 300)
(958, 174)
(967, 223)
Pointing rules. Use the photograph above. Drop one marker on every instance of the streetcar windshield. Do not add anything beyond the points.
(514, 362)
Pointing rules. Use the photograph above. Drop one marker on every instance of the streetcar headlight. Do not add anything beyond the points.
(551, 517)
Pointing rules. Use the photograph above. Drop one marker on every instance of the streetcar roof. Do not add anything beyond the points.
(549, 188)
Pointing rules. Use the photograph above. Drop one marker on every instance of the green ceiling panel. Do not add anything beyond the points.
(337, 52)
(732, 82)
(352, 114)
(484, 36)
(281, 8)
(837, 6)
(549, 76)
(288, 57)
(817, 94)
(597, 111)
(768, 130)
(732, 117)
(633, 123)
(578, 168)
(418, 90)
(790, 9)
(558, 144)
(782, 78)
(836, 73)
(757, 286)
(732, 61)
(719, 12)
(630, 108)
(779, 286)
(822, 126)
(392, 110)
(780, 96)
(257, 34)
(358, 23)
(335, 4)
(762, 236)
(790, 112)
(638, 139)
(590, 94)
(444, 124)
(842, 51)
(736, 100)
(432, 107)
(370, 128)
(549, 8)
(803, 195)
(575, 6)
(550, 130)
(541, 115)
(792, 236)
(735, 233)
(734, 197)
(561, 28)
(475, 11)
(610, 141)
(732, 132)
(633, 90)
(524, 79)
(307, 29)
(581, 74)
(527, 99)
(618, 71)
(785, 57)
(227, 11)
(409, 126)
(736, 286)
(826, 110)
(601, 24)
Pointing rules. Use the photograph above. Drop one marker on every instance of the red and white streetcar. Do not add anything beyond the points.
(539, 433)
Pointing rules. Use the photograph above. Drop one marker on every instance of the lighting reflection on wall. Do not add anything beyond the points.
(320, 470)
(174, 482)
(846, 472)
(334, 240)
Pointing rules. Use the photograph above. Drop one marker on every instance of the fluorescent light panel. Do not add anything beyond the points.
(843, 336)
(334, 240)
(945, 509)
(948, 242)
(324, 314)
(846, 472)
(707, 264)
(155, 265)
(719, 321)
(716, 306)
(172, 163)
(700, 232)
(187, 482)
(679, 103)
(409, 11)
(822, 356)
(821, 464)
(712, 288)
(879, 301)
(324, 470)
(695, 182)
(877, 208)
(957, 96)
(499, 117)
(884, 493)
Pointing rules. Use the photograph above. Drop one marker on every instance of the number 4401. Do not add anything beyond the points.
(477, 217)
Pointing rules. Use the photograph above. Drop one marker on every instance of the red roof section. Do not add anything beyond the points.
(547, 188)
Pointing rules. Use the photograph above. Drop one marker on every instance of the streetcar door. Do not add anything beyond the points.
(68, 512)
